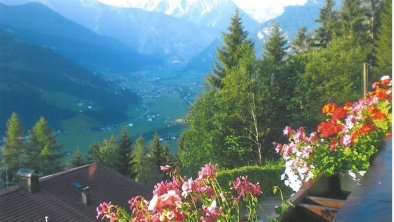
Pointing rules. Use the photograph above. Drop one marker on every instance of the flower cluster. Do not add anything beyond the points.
(347, 139)
(297, 169)
(244, 187)
(200, 199)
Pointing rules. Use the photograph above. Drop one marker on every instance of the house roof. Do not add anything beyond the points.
(60, 196)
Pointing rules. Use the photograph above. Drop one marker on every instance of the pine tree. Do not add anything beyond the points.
(77, 158)
(229, 55)
(156, 150)
(384, 40)
(94, 154)
(353, 21)
(13, 143)
(125, 156)
(373, 10)
(327, 20)
(137, 158)
(275, 48)
(301, 41)
(274, 84)
(43, 148)
(234, 120)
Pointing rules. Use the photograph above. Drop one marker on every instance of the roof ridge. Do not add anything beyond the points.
(48, 177)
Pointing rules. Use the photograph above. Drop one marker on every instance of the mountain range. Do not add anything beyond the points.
(177, 37)
(208, 13)
(40, 25)
(50, 50)
(36, 81)
(180, 31)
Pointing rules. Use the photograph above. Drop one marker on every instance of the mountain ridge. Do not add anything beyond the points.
(35, 81)
(68, 38)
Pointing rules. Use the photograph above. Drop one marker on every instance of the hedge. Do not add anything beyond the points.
(268, 176)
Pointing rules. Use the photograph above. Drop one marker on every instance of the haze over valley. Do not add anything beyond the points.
(92, 69)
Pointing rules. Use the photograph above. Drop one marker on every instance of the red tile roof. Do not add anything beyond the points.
(60, 199)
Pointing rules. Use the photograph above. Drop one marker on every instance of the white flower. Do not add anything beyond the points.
(384, 78)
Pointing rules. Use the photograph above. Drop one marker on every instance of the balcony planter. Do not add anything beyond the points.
(349, 180)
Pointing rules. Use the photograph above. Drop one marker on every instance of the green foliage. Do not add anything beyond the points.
(275, 47)
(30, 76)
(268, 176)
(328, 22)
(277, 74)
(43, 150)
(352, 20)
(198, 139)
(137, 158)
(77, 158)
(384, 40)
(159, 153)
(106, 153)
(235, 123)
(332, 74)
(229, 54)
(301, 41)
(125, 154)
(13, 144)
(221, 119)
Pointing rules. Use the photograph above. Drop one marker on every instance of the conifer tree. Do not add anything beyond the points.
(94, 154)
(228, 55)
(384, 40)
(43, 148)
(327, 20)
(353, 21)
(137, 158)
(275, 47)
(233, 145)
(158, 151)
(373, 10)
(301, 41)
(13, 143)
(77, 158)
(272, 78)
(125, 157)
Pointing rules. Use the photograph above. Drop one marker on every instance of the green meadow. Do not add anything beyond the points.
(165, 98)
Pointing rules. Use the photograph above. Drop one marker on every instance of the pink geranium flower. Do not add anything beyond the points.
(208, 171)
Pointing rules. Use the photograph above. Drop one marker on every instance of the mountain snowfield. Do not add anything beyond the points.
(207, 13)
(257, 10)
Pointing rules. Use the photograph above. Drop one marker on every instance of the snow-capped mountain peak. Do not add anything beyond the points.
(208, 13)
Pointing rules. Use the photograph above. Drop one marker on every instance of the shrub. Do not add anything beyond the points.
(267, 176)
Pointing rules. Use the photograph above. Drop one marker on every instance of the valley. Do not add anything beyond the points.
(101, 69)
(165, 96)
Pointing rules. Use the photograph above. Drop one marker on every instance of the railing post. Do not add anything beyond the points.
(365, 79)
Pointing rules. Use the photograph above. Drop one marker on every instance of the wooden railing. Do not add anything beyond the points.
(320, 200)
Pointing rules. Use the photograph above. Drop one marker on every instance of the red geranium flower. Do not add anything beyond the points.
(339, 113)
(329, 128)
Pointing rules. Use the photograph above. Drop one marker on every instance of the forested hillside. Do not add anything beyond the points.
(35, 81)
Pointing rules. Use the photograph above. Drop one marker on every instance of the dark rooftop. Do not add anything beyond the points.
(60, 198)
